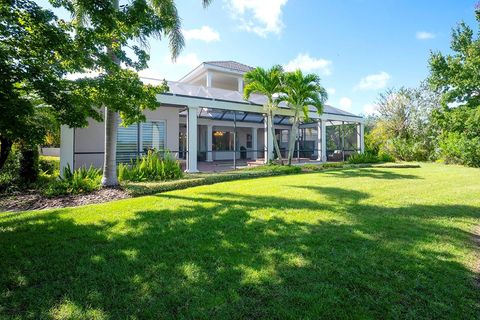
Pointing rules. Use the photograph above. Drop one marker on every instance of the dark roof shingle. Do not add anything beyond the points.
(232, 65)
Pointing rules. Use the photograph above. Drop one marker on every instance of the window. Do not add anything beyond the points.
(131, 141)
(222, 141)
(284, 136)
(249, 140)
(153, 135)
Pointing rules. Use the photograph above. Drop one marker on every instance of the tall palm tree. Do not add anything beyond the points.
(266, 82)
(300, 91)
(170, 27)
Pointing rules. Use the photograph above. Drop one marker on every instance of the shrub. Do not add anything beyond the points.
(9, 175)
(368, 157)
(138, 189)
(457, 148)
(82, 180)
(151, 167)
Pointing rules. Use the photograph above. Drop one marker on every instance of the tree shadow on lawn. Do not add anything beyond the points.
(370, 173)
(212, 258)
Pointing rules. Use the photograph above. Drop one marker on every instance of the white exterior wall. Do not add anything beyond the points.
(91, 139)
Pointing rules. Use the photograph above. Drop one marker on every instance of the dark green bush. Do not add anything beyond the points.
(28, 164)
(144, 188)
(367, 157)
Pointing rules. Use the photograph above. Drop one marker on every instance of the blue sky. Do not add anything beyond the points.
(358, 47)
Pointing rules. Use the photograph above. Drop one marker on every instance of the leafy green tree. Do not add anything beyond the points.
(268, 83)
(456, 76)
(36, 51)
(107, 31)
(300, 92)
(403, 126)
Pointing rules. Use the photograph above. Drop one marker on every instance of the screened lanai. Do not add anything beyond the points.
(223, 127)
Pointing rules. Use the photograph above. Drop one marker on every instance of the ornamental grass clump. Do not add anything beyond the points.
(151, 167)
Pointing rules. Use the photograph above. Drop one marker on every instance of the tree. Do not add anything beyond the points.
(107, 31)
(266, 82)
(456, 76)
(36, 51)
(300, 92)
(403, 125)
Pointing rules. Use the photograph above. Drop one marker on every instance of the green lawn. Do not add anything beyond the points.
(352, 243)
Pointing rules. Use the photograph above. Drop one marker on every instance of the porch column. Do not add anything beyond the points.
(209, 143)
(323, 125)
(254, 143)
(360, 138)
(240, 85)
(208, 83)
(67, 136)
(265, 139)
(268, 139)
(319, 140)
(192, 139)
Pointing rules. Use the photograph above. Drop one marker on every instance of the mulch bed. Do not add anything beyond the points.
(34, 200)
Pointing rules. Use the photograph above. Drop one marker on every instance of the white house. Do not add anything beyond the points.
(204, 119)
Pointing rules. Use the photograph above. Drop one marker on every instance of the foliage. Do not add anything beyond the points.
(10, 179)
(82, 180)
(153, 166)
(369, 158)
(458, 148)
(36, 51)
(403, 127)
(139, 189)
(456, 76)
(357, 243)
(299, 92)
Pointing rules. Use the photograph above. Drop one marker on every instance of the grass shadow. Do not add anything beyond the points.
(212, 257)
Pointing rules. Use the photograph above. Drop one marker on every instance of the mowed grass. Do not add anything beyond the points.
(352, 243)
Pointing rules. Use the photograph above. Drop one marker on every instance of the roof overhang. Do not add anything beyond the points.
(187, 100)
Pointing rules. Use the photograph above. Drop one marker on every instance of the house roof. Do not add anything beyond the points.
(188, 90)
(231, 65)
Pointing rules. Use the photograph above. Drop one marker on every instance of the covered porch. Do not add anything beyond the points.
(219, 130)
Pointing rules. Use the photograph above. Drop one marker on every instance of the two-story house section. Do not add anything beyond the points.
(205, 122)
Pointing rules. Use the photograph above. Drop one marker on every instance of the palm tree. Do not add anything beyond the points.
(266, 82)
(166, 12)
(300, 92)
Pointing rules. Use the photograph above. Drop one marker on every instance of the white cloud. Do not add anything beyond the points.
(308, 64)
(373, 81)
(424, 35)
(150, 76)
(331, 91)
(205, 33)
(259, 16)
(370, 109)
(345, 103)
(189, 60)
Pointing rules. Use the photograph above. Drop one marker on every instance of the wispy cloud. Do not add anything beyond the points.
(190, 60)
(345, 103)
(373, 81)
(424, 35)
(259, 16)
(205, 33)
(309, 64)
